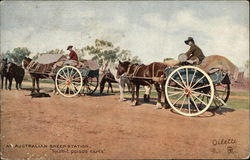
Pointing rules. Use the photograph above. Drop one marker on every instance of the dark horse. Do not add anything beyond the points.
(36, 76)
(3, 73)
(16, 72)
(146, 75)
(107, 77)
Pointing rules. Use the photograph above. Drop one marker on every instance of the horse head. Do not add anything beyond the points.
(3, 66)
(10, 68)
(122, 68)
(26, 61)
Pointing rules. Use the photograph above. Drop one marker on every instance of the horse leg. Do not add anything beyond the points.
(16, 84)
(128, 85)
(158, 89)
(133, 95)
(166, 104)
(33, 84)
(108, 86)
(102, 85)
(10, 82)
(2, 79)
(37, 84)
(6, 81)
(137, 94)
(20, 84)
(111, 87)
(121, 87)
(55, 90)
(147, 93)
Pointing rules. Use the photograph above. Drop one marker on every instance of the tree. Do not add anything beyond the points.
(126, 55)
(18, 54)
(55, 51)
(136, 59)
(105, 52)
(80, 54)
(102, 51)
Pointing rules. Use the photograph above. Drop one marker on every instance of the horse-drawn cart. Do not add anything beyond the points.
(69, 80)
(191, 91)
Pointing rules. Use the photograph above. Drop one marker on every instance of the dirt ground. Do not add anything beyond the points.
(101, 127)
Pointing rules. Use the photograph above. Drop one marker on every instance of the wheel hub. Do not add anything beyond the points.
(68, 82)
(187, 91)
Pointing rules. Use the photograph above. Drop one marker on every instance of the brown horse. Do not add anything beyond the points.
(146, 75)
(36, 76)
(107, 77)
(16, 72)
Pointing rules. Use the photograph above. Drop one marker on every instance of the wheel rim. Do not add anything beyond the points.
(68, 81)
(186, 88)
(90, 85)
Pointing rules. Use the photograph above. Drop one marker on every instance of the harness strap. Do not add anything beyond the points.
(128, 75)
(136, 70)
(143, 78)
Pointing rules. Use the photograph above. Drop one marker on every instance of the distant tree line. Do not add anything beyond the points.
(102, 52)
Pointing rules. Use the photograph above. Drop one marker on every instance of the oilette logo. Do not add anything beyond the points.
(223, 141)
(222, 144)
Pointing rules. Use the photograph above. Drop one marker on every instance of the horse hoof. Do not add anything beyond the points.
(166, 106)
(158, 106)
(133, 104)
(145, 98)
(122, 100)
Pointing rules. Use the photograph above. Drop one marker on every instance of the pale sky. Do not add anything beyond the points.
(151, 30)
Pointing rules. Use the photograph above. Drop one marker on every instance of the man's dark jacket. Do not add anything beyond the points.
(195, 51)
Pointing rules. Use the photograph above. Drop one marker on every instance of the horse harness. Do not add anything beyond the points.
(144, 78)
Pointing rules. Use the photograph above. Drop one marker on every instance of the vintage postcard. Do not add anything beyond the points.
(124, 80)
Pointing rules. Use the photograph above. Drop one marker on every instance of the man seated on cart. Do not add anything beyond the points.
(73, 58)
(194, 55)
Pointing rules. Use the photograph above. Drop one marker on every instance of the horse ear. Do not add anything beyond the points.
(120, 62)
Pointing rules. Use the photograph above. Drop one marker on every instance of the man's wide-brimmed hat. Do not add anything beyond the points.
(189, 39)
(69, 47)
